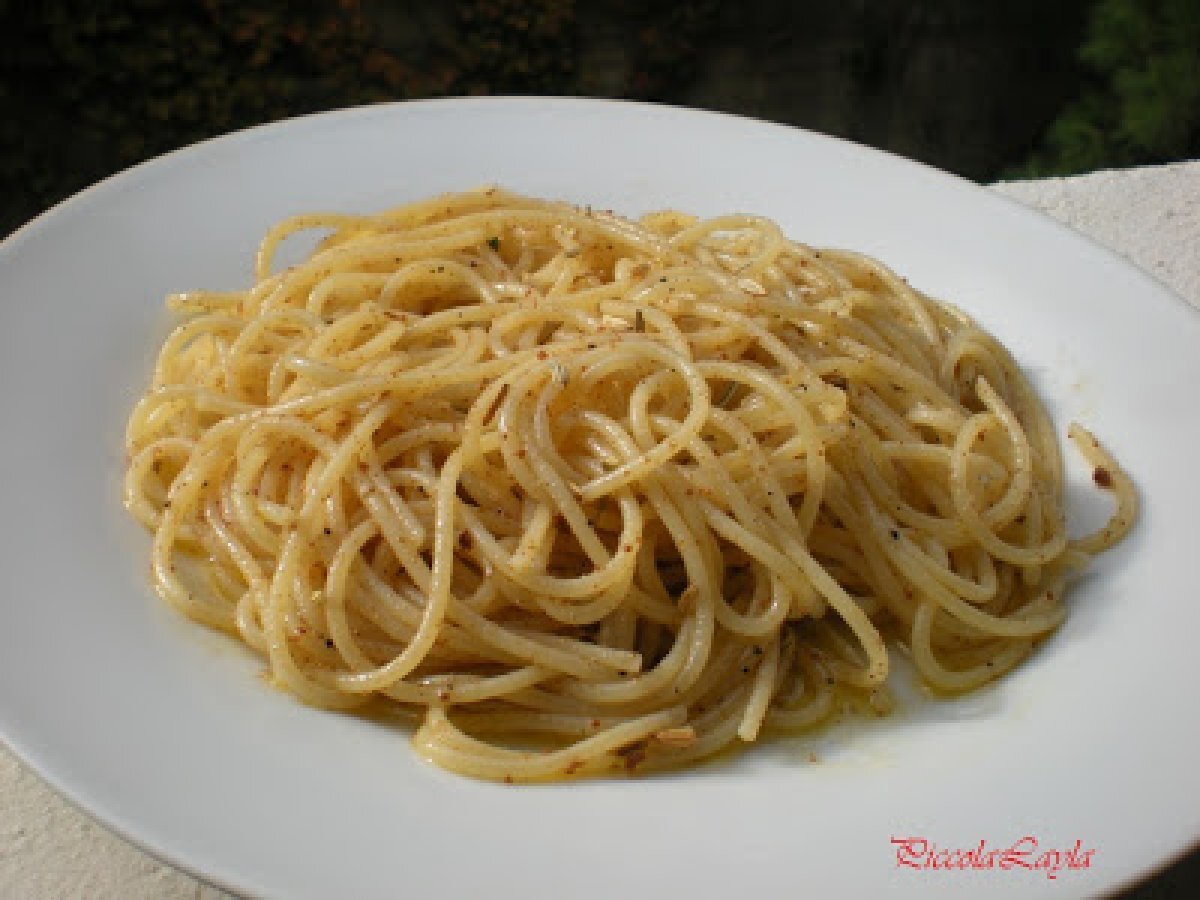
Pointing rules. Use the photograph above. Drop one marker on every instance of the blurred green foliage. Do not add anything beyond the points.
(1141, 101)
(93, 87)
(525, 47)
(90, 88)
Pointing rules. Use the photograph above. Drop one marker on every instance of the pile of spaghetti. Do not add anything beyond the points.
(590, 495)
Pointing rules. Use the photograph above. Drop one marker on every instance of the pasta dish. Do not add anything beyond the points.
(586, 495)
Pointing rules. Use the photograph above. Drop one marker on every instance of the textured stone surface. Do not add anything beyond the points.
(1150, 215)
(50, 850)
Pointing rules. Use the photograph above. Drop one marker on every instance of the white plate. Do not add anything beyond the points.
(161, 730)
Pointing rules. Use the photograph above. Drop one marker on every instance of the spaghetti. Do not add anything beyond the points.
(590, 495)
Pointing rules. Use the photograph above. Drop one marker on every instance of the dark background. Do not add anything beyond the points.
(985, 88)
(988, 89)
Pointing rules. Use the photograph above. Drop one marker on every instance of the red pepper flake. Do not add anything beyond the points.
(634, 754)
(1102, 477)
